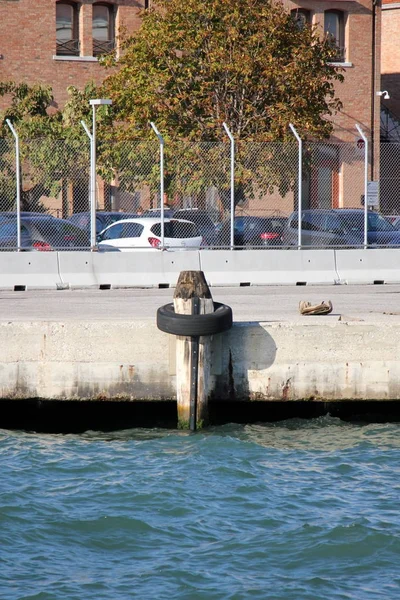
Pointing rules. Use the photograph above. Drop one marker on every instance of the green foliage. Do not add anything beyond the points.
(32, 101)
(53, 144)
(195, 64)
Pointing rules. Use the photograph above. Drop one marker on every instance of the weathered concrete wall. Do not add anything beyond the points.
(265, 361)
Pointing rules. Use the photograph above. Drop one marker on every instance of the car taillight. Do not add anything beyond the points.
(42, 246)
(154, 242)
(269, 236)
(203, 243)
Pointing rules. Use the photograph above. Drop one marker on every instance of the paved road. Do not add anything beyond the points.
(272, 303)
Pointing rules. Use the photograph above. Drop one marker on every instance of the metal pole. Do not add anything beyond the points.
(18, 182)
(91, 186)
(360, 131)
(300, 184)
(229, 134)
(93, 178)
(161, 140)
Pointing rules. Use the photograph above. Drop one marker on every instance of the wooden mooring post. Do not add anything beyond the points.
(193, 353)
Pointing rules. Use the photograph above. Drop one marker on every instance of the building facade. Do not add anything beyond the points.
(391, 55)
(355, 28)
(58, 43)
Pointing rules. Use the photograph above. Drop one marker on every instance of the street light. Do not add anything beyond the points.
(94, 103)
(385, 94)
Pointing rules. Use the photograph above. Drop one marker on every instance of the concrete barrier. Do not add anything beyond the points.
(268, 267)
(76, 269)
(143, 269)
(374, 265)
(23, 270)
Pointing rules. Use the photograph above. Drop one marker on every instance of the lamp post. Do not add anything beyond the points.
(18, 182)
(161, 140)
(365, 139)
(232, 140)
(94, 103)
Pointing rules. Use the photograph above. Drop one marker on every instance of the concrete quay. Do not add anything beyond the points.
(88, 344)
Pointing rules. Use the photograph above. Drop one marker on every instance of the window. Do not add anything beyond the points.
(176, 229)
(103, 29)
(334, 32)
(67, 29)
(302, 17)
(113, 233)
(333, 224)
(131, 230)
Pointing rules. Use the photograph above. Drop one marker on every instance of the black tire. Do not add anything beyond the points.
(194, 325)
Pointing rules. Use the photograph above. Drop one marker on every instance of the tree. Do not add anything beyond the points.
(53, 145)
(195, 64)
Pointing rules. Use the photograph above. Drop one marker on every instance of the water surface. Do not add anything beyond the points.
(290, 510)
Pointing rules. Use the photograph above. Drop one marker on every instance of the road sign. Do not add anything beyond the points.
(373, 193)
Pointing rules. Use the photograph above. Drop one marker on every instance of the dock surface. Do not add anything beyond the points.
(96, 344)
(368, 303)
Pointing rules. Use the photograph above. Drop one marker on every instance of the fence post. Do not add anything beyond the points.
(364, 137)
(161, 140)
(300, 184)
(92, 188)
(229, 134)
(18, 182)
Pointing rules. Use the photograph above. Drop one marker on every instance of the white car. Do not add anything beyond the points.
(144, 233)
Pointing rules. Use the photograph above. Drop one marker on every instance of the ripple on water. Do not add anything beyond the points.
(290, 510)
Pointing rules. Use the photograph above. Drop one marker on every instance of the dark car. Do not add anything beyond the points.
(103, 219)
(203, 221)
(156, 213)
(12, 214)
(43, 234)
(339, 227)
(394, 220)
(253, 232)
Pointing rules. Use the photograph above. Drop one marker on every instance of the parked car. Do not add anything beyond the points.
(340, 227)
(203, 221)
(394, 220)
(42, 234)
(144, 233)
(252, 231)
(103, 219)
(155, 213)
(12, 214)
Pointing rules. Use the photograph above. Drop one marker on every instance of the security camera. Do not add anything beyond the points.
(385, 94)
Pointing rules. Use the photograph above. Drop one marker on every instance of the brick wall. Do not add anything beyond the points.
(391, 55)
(28, 44)
(28, 47)
(357, 90)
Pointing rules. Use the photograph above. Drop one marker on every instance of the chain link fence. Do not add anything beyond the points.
(390, 182)
(267, 198)
(332, 198)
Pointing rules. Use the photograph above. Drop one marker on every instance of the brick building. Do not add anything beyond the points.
(356, 27)
(391, 54)
(57, 43)
(391, 65)
(390, 114)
